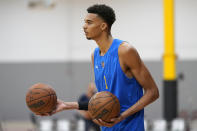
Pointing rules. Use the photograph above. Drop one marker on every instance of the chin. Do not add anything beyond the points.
(88, 38)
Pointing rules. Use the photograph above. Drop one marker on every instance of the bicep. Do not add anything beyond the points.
(143, 76)
(138, 69)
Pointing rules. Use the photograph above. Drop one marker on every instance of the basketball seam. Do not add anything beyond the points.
(43, 90)
(51, 93)
(54, 103)
(40, 98)
(101, 97)
(112, 106)
(110, 110)
(38, 110)
(106, 103)
(113, 100)
(103, 106)
(46, 105)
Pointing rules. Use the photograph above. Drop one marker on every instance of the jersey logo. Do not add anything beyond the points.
(103, 64)
(105, 82)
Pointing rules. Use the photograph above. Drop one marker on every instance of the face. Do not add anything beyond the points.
(93, 26)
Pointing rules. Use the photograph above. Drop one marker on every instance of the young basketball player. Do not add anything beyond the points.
(118, 69)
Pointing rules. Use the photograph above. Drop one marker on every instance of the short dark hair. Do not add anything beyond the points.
(105, 12)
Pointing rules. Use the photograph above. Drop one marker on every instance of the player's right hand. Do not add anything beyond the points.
(59, 107)
(42, 114)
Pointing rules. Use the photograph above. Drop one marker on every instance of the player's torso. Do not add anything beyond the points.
(105, 67)
(110, 77)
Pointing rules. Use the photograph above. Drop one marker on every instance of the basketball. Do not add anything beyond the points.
(41, 98)
(104, 105)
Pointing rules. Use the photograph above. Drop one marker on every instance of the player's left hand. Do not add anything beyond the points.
(108, 124)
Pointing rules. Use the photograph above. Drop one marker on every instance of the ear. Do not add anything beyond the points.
(103, 26)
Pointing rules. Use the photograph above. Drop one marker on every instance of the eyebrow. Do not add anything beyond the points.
(88, 20)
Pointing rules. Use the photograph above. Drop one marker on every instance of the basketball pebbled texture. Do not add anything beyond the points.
(104, 105)
(41, 98)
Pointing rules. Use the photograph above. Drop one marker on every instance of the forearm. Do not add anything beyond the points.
(76, 105)
(145, 100)
(71, 105)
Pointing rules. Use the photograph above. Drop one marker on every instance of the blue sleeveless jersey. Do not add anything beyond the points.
(110, 77)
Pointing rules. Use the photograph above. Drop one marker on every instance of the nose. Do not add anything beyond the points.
(85, 26)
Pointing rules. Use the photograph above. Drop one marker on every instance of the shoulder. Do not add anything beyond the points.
(96, 50)
(126, 49)
(92, 58)
(92, 55)
(128, 55)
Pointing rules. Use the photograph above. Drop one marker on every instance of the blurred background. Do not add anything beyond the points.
(43, 41)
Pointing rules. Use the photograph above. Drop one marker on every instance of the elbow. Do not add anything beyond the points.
(155, 94)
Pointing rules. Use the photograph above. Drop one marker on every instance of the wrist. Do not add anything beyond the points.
(123, 116)
(71, 105)
(83, 105)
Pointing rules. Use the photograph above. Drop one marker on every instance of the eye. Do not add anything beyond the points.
(89, 22)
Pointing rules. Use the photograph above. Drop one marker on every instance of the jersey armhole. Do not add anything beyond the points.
(127, 78)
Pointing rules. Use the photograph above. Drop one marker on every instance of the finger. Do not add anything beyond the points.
(97, 122)
(42, 114)
(105, 123)
(39, 114)
(113, 119)
(53, 112)
(45, 114)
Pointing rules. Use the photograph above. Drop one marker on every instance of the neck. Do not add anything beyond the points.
(104, 43)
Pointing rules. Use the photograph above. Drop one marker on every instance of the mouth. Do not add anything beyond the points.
(86, 33)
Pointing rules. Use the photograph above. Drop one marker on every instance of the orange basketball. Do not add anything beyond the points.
(104, 105)
(41, 98)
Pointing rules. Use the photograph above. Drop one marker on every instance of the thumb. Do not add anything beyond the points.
(54, 111)
(113, 119)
